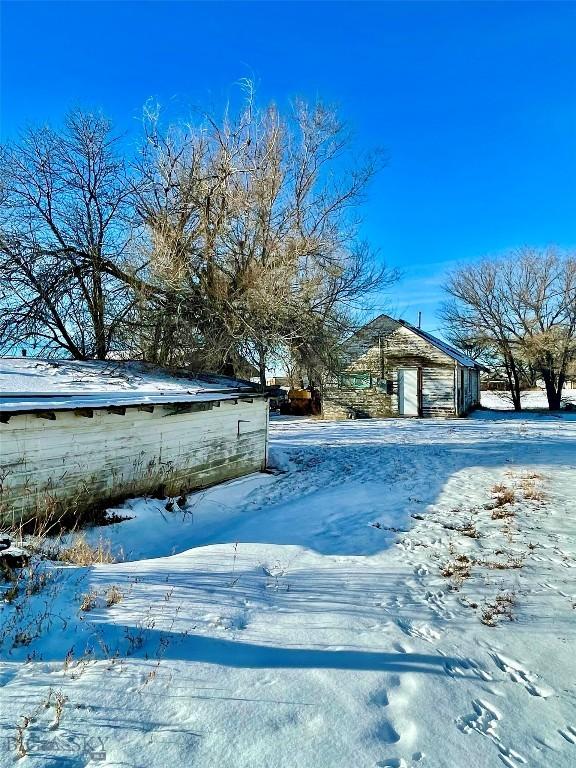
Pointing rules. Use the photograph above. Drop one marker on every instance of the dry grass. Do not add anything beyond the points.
(513, 561)
(532, 476)
(88, 601)
(500, 607)
(466, 529)
(12, 592)
(503, 495)
(458, 569)
(113, 596)
(531, 491)
(80, 552)
(22, 638)
(59, 703)
(502, 513)
(20, 745)
(469, 529)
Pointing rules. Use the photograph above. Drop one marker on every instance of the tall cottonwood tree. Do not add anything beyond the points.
(252, 231)
(521, 309)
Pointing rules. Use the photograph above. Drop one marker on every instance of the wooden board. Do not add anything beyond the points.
(75, 462)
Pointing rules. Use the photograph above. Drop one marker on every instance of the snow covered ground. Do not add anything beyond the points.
(531, 398)
(402, 595)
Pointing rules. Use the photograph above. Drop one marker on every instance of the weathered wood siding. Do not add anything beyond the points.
(438, 390)
(75, 462)
(382, 347)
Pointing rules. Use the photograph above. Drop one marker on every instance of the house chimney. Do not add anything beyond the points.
(419, 319)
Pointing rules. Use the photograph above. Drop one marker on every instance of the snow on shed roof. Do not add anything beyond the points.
(28, 384)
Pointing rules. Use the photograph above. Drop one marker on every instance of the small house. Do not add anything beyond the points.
(392, 368)
(75, 435)
(570, 381)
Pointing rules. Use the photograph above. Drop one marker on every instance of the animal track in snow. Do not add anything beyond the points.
(399, 762)
(422, 631)
(400, 648)
(569, 733)
(460, 668)
(380, 698)
(518, 674)
(484, 720)
(386, 732)
(436, 603)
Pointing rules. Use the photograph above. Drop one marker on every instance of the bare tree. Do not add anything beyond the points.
(226, 241)
(65, 232)
(521, 310)
(253, 232)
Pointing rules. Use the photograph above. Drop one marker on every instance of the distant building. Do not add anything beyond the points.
(391, 368)
(570, 382)
(278, 381)
(74, 435)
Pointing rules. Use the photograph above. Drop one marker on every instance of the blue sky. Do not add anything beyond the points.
(475, 103)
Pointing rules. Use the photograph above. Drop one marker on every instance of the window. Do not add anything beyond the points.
(355, 380)
(386, 386)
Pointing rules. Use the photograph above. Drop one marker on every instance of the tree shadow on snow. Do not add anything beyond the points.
(237, 654)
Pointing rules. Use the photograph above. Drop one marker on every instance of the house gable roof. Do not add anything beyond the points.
(447, 349)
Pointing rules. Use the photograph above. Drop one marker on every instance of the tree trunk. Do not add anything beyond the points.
(553, 390)
(513, 381)
(99, 314)
(228, 367)
(262, 366)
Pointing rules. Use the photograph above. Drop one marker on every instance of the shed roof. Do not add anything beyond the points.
(28, 384)
(449, 350)
(443, 346)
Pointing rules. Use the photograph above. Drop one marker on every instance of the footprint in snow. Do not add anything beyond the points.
(518, 674)
(463, 667)
(386, 732)
(399, 762)
(400, 648)
(397, 602)
(436, 603)
(484, 720)
(422, 631)
(569, 733)
(380, 698)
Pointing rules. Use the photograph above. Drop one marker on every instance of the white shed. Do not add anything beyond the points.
(77, 435)
(391, 368)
